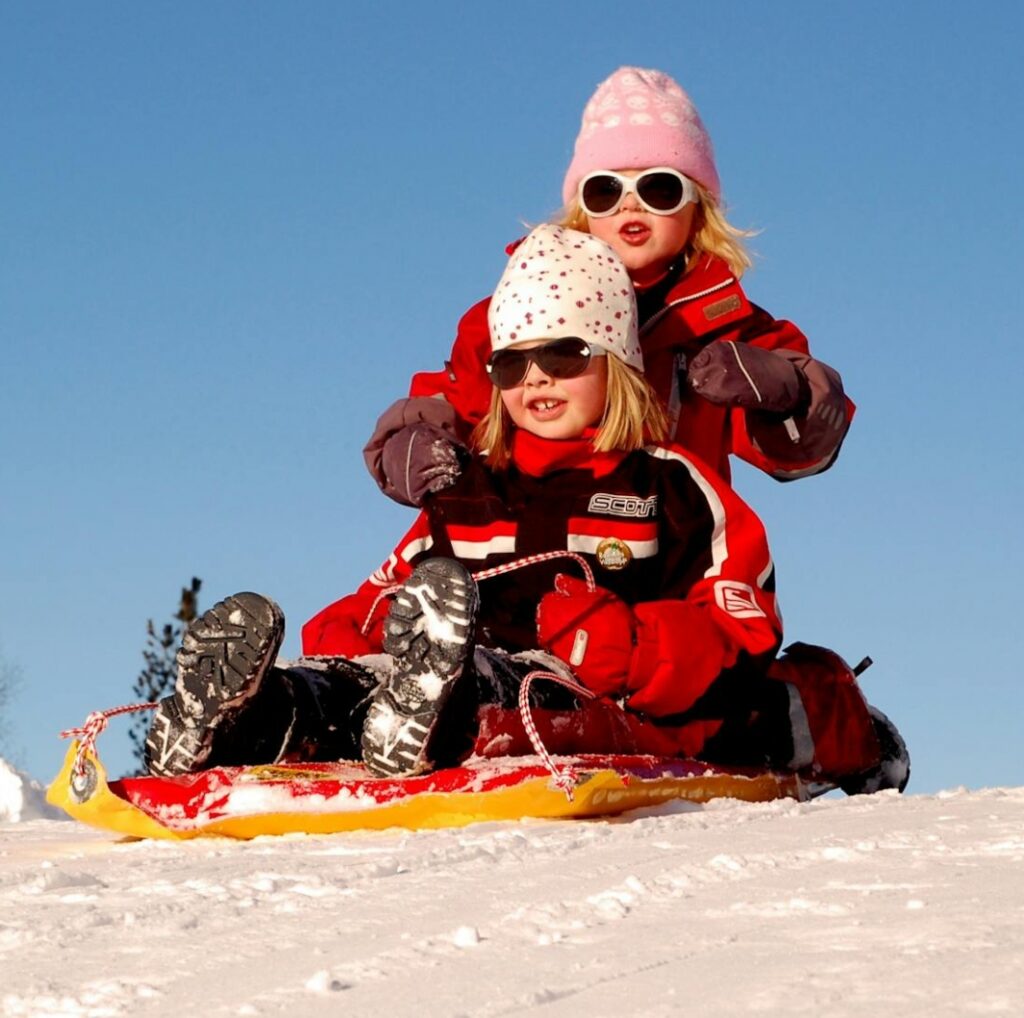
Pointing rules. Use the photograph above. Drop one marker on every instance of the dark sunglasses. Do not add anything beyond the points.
(561, 358)
(661, 190)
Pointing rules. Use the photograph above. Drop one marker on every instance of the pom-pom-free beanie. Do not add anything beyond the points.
(638, 119)
(559, 283)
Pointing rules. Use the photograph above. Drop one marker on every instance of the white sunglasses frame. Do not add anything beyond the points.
(629, 184)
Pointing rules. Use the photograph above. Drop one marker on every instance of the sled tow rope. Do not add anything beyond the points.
(487, 574)
(566, 778)
(92, 728)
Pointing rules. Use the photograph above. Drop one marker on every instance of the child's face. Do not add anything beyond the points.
(646, 242)
(558, 407)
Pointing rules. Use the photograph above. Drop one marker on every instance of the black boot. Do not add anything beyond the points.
(429, 633)
(223, 658)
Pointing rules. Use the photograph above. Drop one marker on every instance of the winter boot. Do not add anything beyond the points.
(429, 632)
(223, 658)
(893, 770)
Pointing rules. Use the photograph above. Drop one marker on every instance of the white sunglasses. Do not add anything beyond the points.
(661, 190)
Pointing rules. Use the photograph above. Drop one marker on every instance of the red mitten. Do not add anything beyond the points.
(680, 651)
(591, 630)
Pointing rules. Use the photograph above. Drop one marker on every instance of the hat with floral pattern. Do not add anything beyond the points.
(561, 282)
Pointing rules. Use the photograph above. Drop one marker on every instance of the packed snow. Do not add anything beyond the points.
(881, 904)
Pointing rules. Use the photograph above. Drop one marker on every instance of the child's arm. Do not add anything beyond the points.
(336, 631)
(717, 604)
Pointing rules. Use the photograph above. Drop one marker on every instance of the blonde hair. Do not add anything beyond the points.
(633, 417)
(712, 232)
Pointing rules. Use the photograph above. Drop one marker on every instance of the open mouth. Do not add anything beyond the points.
(634, 232)
(545, 409)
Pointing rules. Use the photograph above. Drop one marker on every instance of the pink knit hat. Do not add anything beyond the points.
(559, 283)
(638, 119)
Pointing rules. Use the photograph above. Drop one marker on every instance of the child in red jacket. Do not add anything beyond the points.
(676, 638)
(733, 379)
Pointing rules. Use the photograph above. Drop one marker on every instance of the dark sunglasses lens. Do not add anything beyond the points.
(600, 194)
(508, 368)
(662, 191)
(565, 358)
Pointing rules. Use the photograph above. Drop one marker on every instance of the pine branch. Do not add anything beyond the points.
(156, 680)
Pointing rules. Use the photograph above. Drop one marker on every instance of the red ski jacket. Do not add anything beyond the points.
(658, 528)
(706, 305)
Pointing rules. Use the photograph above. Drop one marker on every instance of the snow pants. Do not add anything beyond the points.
(805, 714)
(314, 708)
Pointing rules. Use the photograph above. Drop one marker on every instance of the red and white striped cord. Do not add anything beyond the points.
(486, 574)
(532, 560)
(565, 778)
(386, 592)
(92, 728)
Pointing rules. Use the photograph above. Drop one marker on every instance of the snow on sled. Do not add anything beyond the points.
(324, 798)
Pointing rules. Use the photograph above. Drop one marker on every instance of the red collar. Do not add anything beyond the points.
(706, 298)
(539, 456)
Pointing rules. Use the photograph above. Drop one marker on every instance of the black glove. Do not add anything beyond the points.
(741, 375)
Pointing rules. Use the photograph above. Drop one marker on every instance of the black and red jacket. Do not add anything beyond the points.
(656, 526)
(704, 305)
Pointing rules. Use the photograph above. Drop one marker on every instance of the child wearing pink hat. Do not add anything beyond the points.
(733, 379)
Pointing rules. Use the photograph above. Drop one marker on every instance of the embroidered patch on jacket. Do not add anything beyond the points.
(495, 538)
(613, 554)
(722, 307)
(623, 505)
(738, 600)
(615, 544)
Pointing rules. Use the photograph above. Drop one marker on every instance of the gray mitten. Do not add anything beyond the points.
(740, 375)
(421, 458)
(414, 449)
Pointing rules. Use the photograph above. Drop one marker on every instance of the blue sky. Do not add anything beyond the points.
(230, 232)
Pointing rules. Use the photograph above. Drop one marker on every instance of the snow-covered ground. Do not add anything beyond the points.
(873, 906)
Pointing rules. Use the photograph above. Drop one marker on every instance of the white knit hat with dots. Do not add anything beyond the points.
(560, 283)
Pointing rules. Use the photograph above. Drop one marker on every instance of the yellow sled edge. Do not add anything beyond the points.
(599, 793)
